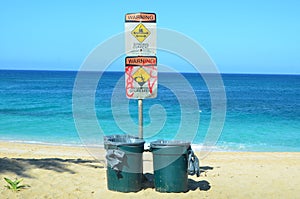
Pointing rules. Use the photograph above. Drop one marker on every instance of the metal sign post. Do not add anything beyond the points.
(140, 106)
(141, 62)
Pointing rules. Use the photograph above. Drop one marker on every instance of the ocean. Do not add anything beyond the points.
(262, 111)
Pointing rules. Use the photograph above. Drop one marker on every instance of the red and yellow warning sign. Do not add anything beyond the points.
(141, 77)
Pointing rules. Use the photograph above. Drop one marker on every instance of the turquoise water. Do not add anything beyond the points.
(263, 112)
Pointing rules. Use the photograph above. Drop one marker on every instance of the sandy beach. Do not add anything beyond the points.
(71, 172)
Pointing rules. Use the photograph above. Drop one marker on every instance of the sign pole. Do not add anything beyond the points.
(140, 107)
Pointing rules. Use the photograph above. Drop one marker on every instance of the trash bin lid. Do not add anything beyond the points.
(118, 140)
(163, 143)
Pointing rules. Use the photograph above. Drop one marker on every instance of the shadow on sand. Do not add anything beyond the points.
(19, 166)
(193, 185)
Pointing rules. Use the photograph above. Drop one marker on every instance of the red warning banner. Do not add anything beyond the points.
(140, 17)
(141, 61)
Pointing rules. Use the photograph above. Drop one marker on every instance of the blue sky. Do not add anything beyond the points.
(240, 36)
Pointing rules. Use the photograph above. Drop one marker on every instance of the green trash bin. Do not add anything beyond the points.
(170, 164)
(124, 155)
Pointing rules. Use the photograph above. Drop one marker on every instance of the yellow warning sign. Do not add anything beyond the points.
(140, 32)
(141, 76)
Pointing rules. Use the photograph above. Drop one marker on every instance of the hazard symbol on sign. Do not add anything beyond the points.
(141, 77)
(140, 32)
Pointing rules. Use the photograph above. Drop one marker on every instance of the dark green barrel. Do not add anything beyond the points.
(170, 163)
(129, 175)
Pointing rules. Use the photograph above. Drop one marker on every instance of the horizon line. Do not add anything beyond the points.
(119, 71)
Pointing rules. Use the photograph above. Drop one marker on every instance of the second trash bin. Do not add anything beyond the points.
(170, 164)
(124, 155)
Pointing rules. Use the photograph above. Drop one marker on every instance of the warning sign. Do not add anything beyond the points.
(140, 34)
(141, 77)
